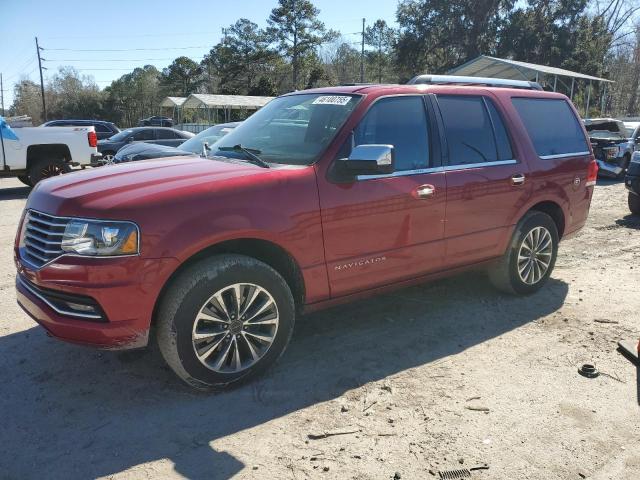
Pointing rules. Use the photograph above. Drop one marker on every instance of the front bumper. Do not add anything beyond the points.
(124, 291)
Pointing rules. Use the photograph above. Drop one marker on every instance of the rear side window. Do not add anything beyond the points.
(552, 126)
(475, 130)
(401, 122)
(102, 128)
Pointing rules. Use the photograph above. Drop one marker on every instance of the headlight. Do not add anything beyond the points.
(94, 238)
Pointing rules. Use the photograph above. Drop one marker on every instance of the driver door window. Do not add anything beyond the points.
(142, 135)
(401, 122)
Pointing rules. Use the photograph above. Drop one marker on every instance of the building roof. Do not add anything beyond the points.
(203, 100)
(485, 66)
(173, 101)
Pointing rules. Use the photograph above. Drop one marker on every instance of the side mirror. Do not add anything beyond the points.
(370, 160)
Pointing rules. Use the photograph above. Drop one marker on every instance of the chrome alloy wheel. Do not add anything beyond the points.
(235, 328)
(535, 255)
(108, 159)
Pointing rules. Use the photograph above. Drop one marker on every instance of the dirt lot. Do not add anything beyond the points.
(443, 376)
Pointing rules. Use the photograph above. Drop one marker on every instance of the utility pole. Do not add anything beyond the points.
(44, 103)
(1, 95)
(362, 55)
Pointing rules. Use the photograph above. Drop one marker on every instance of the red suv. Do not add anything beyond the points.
(321, 197)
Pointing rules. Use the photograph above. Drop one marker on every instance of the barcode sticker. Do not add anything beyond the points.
(332, 100)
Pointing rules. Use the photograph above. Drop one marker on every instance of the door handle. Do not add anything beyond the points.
(425, 191)
(517, 179)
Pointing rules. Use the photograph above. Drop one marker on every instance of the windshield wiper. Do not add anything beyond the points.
(251, 154)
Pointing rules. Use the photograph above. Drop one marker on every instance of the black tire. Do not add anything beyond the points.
(625, 165)
(634, 203)
(26, 180)
(505, 275)
(42, 169)
(192, 291)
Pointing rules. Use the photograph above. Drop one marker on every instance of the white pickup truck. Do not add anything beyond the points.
(34, 153)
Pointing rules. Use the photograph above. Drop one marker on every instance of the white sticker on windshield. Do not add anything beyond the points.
(332, 100)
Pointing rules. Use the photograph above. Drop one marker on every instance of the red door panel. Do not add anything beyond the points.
(481, 205)
(380, 231)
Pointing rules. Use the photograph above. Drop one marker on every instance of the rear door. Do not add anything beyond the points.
(380, 229)
(486, 181)
(145, 135)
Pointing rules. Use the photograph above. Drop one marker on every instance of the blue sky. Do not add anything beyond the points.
(155, 28)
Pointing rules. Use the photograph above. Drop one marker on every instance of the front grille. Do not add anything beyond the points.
(42, 238)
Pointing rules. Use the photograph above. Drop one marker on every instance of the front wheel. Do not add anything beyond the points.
(634, 203)
(225, 319)
(530, 258)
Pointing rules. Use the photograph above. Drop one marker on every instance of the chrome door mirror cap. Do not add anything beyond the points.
(371, 160)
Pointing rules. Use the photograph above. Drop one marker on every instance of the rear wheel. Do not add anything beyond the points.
(107, 158)
(42, 169)
(224, 320)
(625, 165)
(634, 203)
(530, 258)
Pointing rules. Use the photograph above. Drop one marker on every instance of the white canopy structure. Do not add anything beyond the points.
(486, 66)
(230, 102)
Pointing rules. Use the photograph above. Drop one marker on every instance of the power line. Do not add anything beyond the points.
(124, 49)
(110, 60)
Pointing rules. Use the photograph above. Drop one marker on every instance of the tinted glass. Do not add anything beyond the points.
(401, 122)
(502, 138)
(120, 136)
(468, 128)
(552, 126)
(102, 128)
(211, 135)
(146, 134)
(166, 134)
(279, 138)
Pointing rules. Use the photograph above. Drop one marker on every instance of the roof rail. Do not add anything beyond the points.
(460, 80)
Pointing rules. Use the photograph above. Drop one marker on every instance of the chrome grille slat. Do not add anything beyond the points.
(42, 242)
(45, 232)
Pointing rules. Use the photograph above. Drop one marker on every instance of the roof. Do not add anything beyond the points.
(486, 66)
(173, 101)
(204, 100)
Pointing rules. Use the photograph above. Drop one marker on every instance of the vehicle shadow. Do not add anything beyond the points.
(70, 412)
(605, 181)
(14, 193)
(629, 221)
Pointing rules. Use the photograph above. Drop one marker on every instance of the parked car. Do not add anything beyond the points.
(632, 182)
(613, 144)
(193, 146)
(382, 187)
(160, 135)
(34, 153)
(156, 121)
(103, 129)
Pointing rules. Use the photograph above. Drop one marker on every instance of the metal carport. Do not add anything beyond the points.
(486, 66)
(213, 103)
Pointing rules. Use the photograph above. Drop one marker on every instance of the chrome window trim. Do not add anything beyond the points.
(401, 173)
(564, 155)
(467, 166)
(53, 307)
(448, 168)
(77, 255)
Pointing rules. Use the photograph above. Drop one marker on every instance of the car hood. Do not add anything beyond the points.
(123, 191)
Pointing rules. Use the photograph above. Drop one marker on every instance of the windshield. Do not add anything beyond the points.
(118, 137)
(210, 135)
(293, 130)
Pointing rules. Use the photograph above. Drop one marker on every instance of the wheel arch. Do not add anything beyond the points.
(55, 150)
(554, 210)
(263, 250)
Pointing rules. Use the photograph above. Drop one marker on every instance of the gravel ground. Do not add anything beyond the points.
(443, 376)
